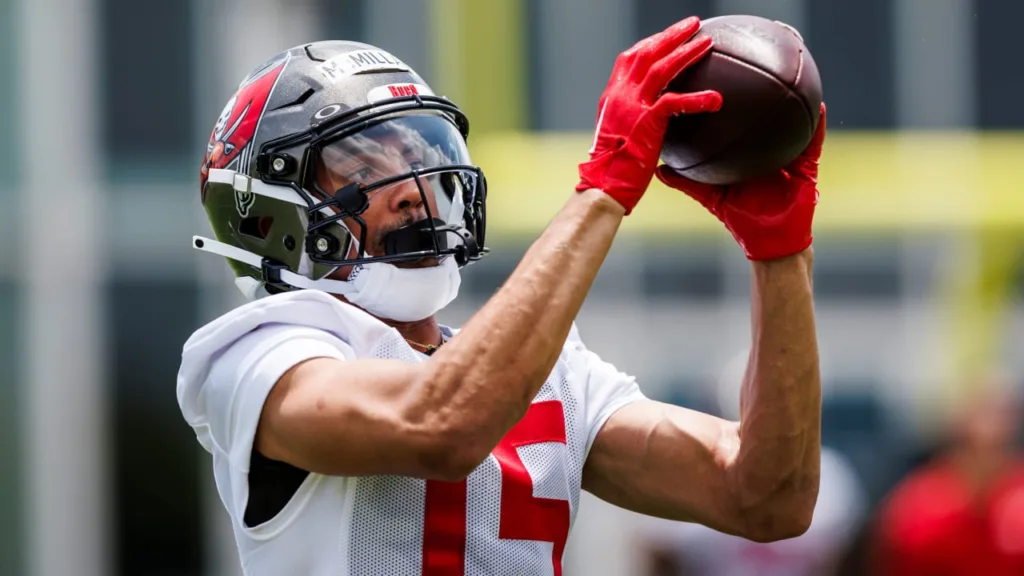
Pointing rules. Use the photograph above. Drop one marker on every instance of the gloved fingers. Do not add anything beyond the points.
(665, 69)
(671, 104)
(813, 150)
(646, 52)
(708, 195)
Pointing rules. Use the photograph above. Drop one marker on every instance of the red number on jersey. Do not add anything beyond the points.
(523, 517)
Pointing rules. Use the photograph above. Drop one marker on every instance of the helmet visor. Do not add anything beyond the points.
(408, 169)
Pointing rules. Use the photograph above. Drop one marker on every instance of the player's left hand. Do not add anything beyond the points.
(770, 217)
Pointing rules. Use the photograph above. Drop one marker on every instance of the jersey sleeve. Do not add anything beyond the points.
(240, 380)
(606, 389)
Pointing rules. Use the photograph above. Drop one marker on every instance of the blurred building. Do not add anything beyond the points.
(107, 105)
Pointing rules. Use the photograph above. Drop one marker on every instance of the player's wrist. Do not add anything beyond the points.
(598, 174)
(801, 260)
(601, 202)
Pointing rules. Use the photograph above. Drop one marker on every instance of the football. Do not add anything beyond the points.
(771, 102)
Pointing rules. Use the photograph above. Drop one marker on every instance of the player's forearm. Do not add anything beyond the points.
(776, 472)
(481, 382)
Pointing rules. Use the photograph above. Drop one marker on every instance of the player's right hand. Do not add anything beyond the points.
(771, 216)
(634, 114)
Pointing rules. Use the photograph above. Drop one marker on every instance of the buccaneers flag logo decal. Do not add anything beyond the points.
(230, 142)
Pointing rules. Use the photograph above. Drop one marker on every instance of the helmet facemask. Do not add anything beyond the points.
(402, 189)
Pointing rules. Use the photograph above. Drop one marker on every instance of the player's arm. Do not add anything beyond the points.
(441, 418)
(757, 478)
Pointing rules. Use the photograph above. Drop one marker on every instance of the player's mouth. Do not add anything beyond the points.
(421, 263)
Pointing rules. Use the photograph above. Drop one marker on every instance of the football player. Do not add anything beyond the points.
(353, 434)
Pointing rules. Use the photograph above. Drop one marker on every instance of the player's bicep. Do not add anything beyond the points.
(666, 461)
(344, 418)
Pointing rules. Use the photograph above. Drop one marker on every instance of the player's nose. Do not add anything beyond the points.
(405, 197)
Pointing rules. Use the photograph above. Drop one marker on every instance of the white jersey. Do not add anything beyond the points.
(512, 515)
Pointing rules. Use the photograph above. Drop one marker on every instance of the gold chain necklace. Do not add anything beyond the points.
(428, 349)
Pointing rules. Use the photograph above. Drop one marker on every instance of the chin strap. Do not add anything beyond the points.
(273, 273)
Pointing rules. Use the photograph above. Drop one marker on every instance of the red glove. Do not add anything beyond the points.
(771, 216)
(633, 118)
